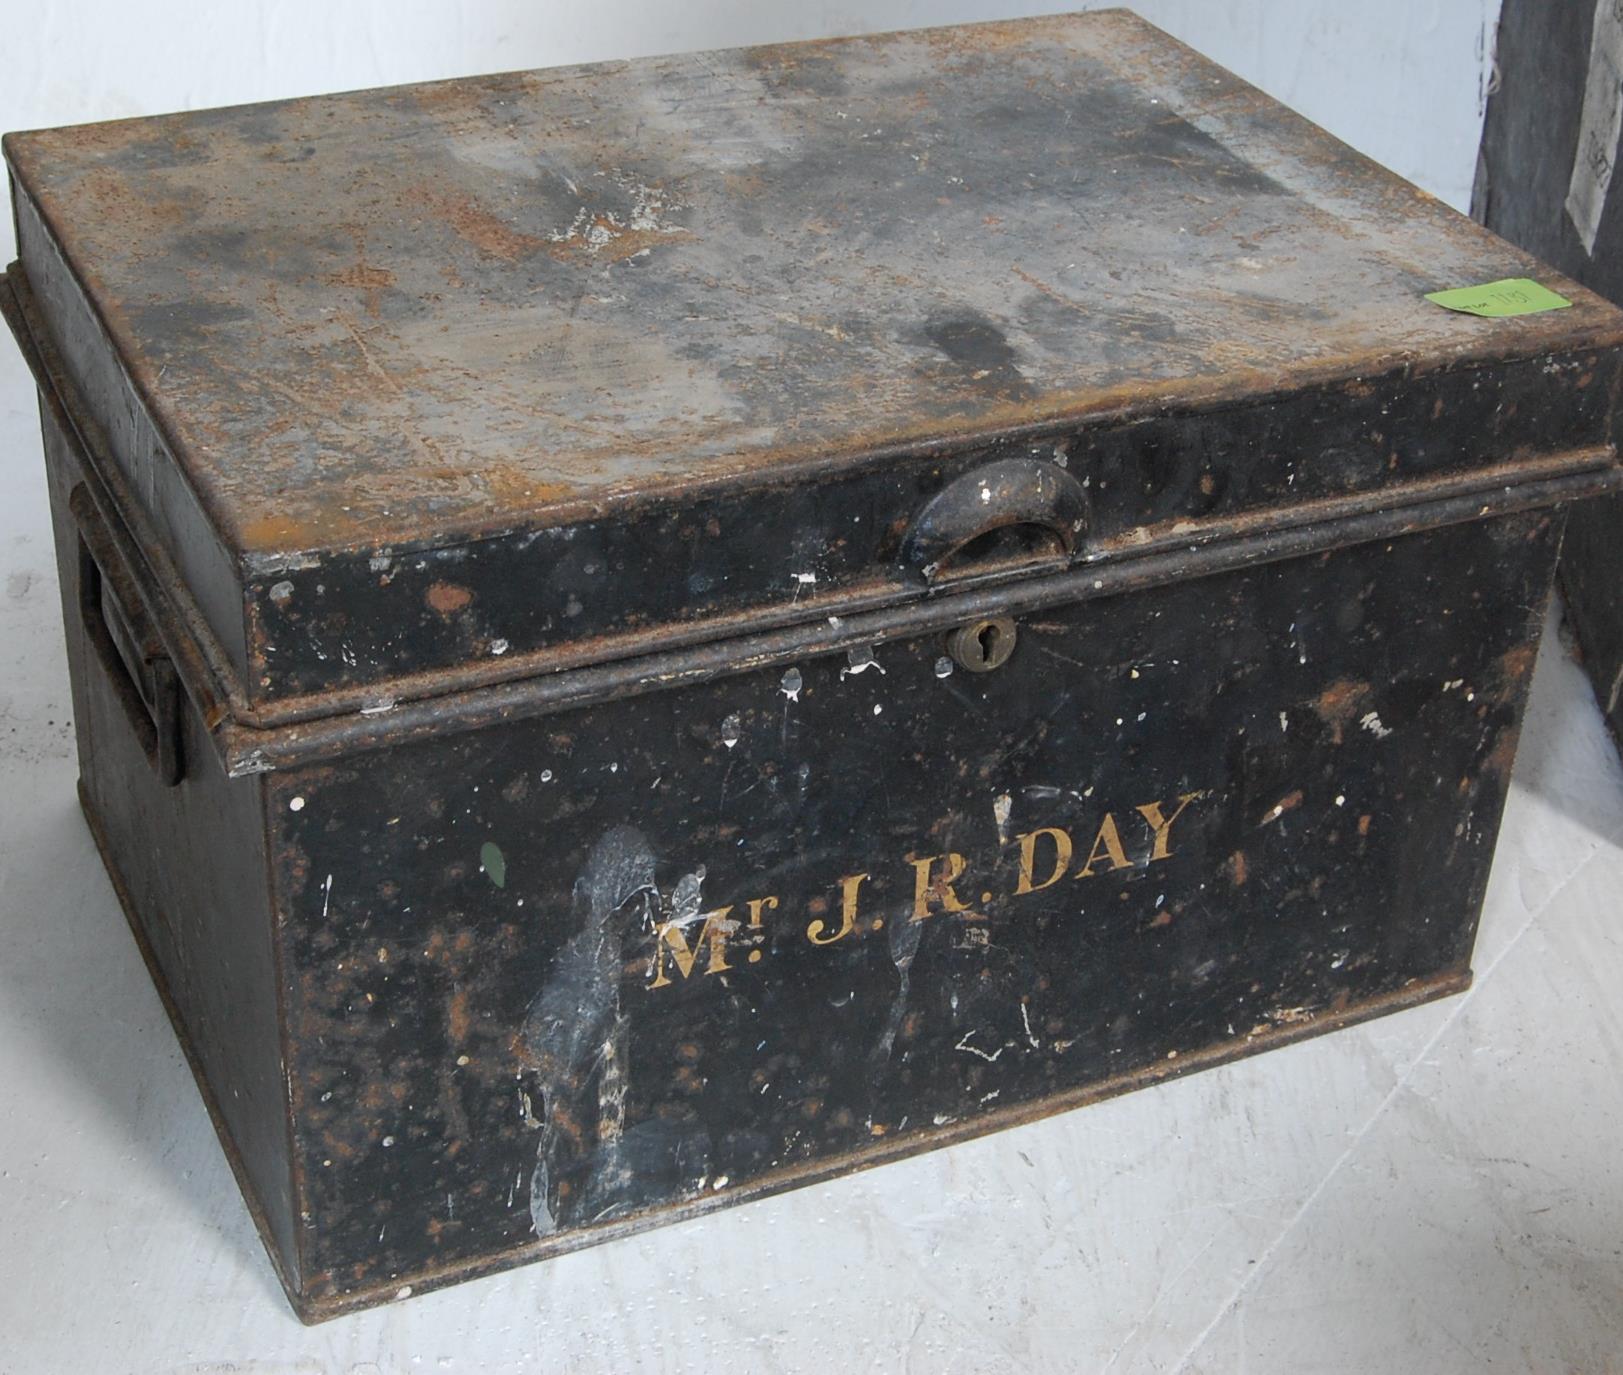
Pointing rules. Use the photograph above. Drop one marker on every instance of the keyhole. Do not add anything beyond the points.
(982, 646)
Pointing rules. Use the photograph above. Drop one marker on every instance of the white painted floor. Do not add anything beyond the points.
(1439, 1191)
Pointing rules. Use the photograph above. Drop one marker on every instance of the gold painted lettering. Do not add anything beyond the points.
(1106, 845)
(758, 907)
(1028, 858)
(1162, 825)
(669, 938)
(928, 889)
(849, 886)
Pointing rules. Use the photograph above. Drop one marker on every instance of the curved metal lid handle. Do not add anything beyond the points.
(1009, 492)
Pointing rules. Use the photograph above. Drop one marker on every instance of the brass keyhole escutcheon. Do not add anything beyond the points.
(982, 646)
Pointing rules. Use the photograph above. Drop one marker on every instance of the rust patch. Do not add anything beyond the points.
(1339, 704)
(465, 95)
(994, 37)
(275, 531)
(1516, 664)
(486, 231)
(447, 598)
(458, 1018)
(604, 239)
(1239, 871)
(1502, 757)
(506, 486)
(371, 281)
(1288, 803)
(108, 193)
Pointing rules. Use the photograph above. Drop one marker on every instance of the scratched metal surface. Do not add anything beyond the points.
(596, 969)
(412, 313)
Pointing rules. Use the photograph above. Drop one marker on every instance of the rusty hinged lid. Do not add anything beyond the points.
(423, 389)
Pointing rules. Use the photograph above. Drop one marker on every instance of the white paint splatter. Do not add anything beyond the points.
(498, 646)
(296, 805)
(860, 660)
(964, 1045)
(1371, 722)
(687, 898)
(1002, 805)
(791, 683)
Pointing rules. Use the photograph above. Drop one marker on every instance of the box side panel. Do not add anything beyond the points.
(167, 503)
(574, 974)
(1530, 150)
(188, 862)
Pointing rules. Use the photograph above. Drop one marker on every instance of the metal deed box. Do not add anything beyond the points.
(646, 634)
(1545, 168)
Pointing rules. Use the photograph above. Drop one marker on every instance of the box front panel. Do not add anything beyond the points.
(662, 952)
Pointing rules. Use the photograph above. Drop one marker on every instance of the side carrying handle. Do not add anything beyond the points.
(121, 635)
(1025, 496)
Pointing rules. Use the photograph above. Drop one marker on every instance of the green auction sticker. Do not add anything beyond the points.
(1496, 300)
(494, 863)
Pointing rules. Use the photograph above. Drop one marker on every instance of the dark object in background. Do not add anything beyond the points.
(643, 635)
(1533, 138)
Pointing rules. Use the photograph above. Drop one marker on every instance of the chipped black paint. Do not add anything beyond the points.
(1351, 720)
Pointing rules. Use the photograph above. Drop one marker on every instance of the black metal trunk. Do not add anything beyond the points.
(1532, 140)
(905, 684)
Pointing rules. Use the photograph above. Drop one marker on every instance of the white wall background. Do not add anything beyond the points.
(1402, 80)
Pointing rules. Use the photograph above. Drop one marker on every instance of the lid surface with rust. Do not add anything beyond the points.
(464, 315)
